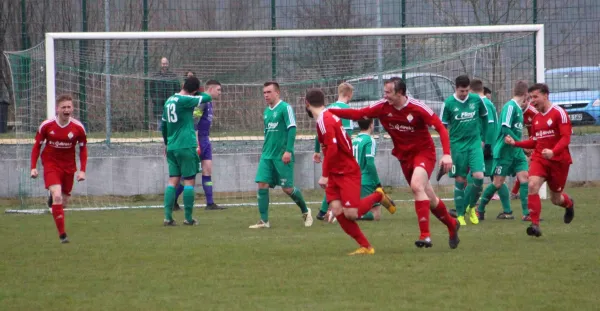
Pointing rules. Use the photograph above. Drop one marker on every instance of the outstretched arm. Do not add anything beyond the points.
(357, 114)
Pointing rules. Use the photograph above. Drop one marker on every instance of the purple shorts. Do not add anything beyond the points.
(205, 148)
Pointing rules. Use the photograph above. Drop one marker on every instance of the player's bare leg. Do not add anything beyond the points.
(534, 204)
(169, 200)
(296, 195)
(58, 212)
(565, 201)
(207, 186)
(439, 210)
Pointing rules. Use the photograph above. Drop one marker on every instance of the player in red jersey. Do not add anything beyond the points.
(407, 121)
(61, 135)
(341, 174)
(550, 137)
(528, 115)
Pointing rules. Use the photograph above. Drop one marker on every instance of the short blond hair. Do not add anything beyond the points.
(345, 89)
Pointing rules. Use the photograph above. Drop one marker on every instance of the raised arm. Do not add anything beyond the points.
(357, 114)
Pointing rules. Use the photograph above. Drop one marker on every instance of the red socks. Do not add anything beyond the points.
(422, 209)
(441, 213)
(367, 203)
(535, 208)
(567, 203)
(352, 229)
(59, 218)
(515, 189)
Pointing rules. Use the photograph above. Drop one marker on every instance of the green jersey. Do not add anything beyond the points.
(278, 120)
(493, 128)
(462, 116)
(364, 149)
(512, 119)
(178, 120)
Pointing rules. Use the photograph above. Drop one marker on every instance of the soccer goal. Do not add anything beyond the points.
(119, 89)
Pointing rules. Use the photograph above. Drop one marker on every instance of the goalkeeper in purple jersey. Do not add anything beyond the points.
(213, 88)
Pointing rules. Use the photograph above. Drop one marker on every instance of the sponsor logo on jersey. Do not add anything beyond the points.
(409, 117)
(60, 144)
(542, 134)
(272, 125)
(465, 116)
(519, 125)
(401, 127)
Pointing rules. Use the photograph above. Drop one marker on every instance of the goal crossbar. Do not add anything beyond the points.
(538, 29)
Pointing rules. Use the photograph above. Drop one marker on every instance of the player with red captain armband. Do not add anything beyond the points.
(341, 175)
(407, 121)
(550, 137)
(61, 135)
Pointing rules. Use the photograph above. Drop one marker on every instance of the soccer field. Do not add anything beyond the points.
(124, 260)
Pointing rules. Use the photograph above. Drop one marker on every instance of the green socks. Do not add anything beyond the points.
(263, 204)
(523, 192)
(299, 199)
(169, 201)
(504, 198)
(459, 198)
(188, 202)
(487, 195)
(324, 205)
(474, 192)
(367, 216)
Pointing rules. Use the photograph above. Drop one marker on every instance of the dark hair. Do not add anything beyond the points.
(462, 81)
(399, 85)
(315, 97)
(272, 83)
(520, 88)
(486, 90)
(364, 124)
(476, 85)
(213, 82)
(543, 88)
(191, 85)
(186, 73)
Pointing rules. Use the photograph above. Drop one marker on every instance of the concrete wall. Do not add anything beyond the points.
(231, 173)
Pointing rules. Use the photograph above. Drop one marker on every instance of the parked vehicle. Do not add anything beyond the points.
(577, 90)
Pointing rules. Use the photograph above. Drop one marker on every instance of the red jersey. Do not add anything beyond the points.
(60, 141)
(337, 146)
(408, 126)
(528, 115)
(550, 130)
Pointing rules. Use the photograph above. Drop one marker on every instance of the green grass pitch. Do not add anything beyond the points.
(126, 260)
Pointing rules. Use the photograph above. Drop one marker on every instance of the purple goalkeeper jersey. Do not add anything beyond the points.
(203, 125)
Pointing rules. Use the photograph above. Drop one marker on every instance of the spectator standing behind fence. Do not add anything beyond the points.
(164, 84)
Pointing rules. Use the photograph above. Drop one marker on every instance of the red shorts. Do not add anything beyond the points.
(425, 160)
(555, 173)
(56, 176)
(345, 188)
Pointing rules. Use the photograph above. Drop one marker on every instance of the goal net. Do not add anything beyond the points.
(119, 91)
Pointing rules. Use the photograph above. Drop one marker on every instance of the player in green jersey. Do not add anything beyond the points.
(489, 141)
(276, 166)
(345, 92)
(461, 113)
(509, 160)
(180, 138)
(364, 149)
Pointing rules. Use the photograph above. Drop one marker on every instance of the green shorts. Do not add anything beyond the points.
(467, 161)
(366, 190)
(275, 173)
(183, 162)
(509, 166)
